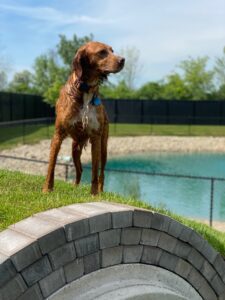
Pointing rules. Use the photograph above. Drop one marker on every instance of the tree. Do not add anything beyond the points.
(119, 91)
(220, 68)
(3, 80)
(67, 48)
(132, 66)
(175, 88)
(196, 78)
(150, 90)
(51, 70)
(22, 82)
(49, 76)
(4, 69)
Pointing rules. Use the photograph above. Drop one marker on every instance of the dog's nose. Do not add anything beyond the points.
(121, 61)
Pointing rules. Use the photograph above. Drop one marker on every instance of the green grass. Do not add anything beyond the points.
(21, 197)
(12, 136)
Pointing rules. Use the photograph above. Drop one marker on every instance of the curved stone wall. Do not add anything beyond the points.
(43, 253)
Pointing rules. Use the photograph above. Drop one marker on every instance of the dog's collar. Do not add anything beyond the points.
(84, 87)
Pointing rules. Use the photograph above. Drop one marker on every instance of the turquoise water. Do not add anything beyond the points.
(188, 197)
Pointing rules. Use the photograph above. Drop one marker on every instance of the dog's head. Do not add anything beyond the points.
(95, 61)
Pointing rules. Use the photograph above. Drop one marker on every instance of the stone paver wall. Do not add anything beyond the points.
(43, 253)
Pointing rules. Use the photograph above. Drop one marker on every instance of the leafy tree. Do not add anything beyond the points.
(52, 70)
(150, 90)
(119, 91)
(175, 88)
(22, 82)
(196, 78)
(67, 48)
(220, 68)
(3, 80)
(49, 76)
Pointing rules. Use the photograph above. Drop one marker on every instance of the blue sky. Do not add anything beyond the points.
(165, 31)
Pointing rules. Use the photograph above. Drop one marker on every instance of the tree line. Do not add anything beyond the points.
(192, 80)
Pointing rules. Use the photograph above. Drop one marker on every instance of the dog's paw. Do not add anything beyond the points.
(94, 190)
(46, 190)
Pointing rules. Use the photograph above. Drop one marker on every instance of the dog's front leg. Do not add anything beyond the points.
(55, 147)
(96, 154)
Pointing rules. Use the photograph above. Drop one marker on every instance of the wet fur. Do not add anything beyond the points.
(77, 118)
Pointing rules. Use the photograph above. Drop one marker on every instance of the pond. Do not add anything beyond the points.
(187, 197)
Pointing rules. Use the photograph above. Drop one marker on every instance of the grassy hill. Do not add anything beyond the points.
(21, 197)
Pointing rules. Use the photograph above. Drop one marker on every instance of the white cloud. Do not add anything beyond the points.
(165, 32)
(49, 14)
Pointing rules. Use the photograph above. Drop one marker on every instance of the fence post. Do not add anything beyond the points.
(211, 202)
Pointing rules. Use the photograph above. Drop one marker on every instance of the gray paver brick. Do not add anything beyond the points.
(219, 265)
(33, 293)
(150, 237)
(112, 256)
(7, 270)
(87, 245)
(168, 261)
(207, 293)
(185, 234)
(208, 271)
(100, 222)
(92, 262)
(160, 222)
(209, 252)
(196, 279)
(122, 219)
(151, 255)
(196, 240)
(175, 228)
(13, 289)
(37, 271)
(22, 249)
(62, 255)
(196, 259)
(109, 238)
(182, 249)
(142, 218)
(26, 256)
(222, 297)
(74, 270)
(52, 240)
(77, 229)
(218, 285)
(132, 254)
(130, 236)
(183, 268)
(52, 282)
(167, 242)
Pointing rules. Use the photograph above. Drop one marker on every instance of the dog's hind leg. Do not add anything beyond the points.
(76, 154)
(104, 141)
(55, 147)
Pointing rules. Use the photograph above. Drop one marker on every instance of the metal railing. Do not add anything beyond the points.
(25, 131)
(209, 179)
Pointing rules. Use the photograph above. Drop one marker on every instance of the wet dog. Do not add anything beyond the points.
(80, 113)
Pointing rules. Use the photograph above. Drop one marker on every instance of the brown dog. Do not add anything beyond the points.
(80, 113)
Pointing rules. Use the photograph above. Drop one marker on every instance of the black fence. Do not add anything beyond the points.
(211, 112)
(166, 112)
(15, 107)
(210, 180)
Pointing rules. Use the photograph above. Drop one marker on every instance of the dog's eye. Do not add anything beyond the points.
(103, 53)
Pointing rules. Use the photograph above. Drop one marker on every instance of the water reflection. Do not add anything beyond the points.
(188, 197)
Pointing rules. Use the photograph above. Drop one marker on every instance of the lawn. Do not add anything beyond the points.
(21, 197)
(11, 136)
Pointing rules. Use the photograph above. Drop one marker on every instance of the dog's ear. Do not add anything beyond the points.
(80, 64)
